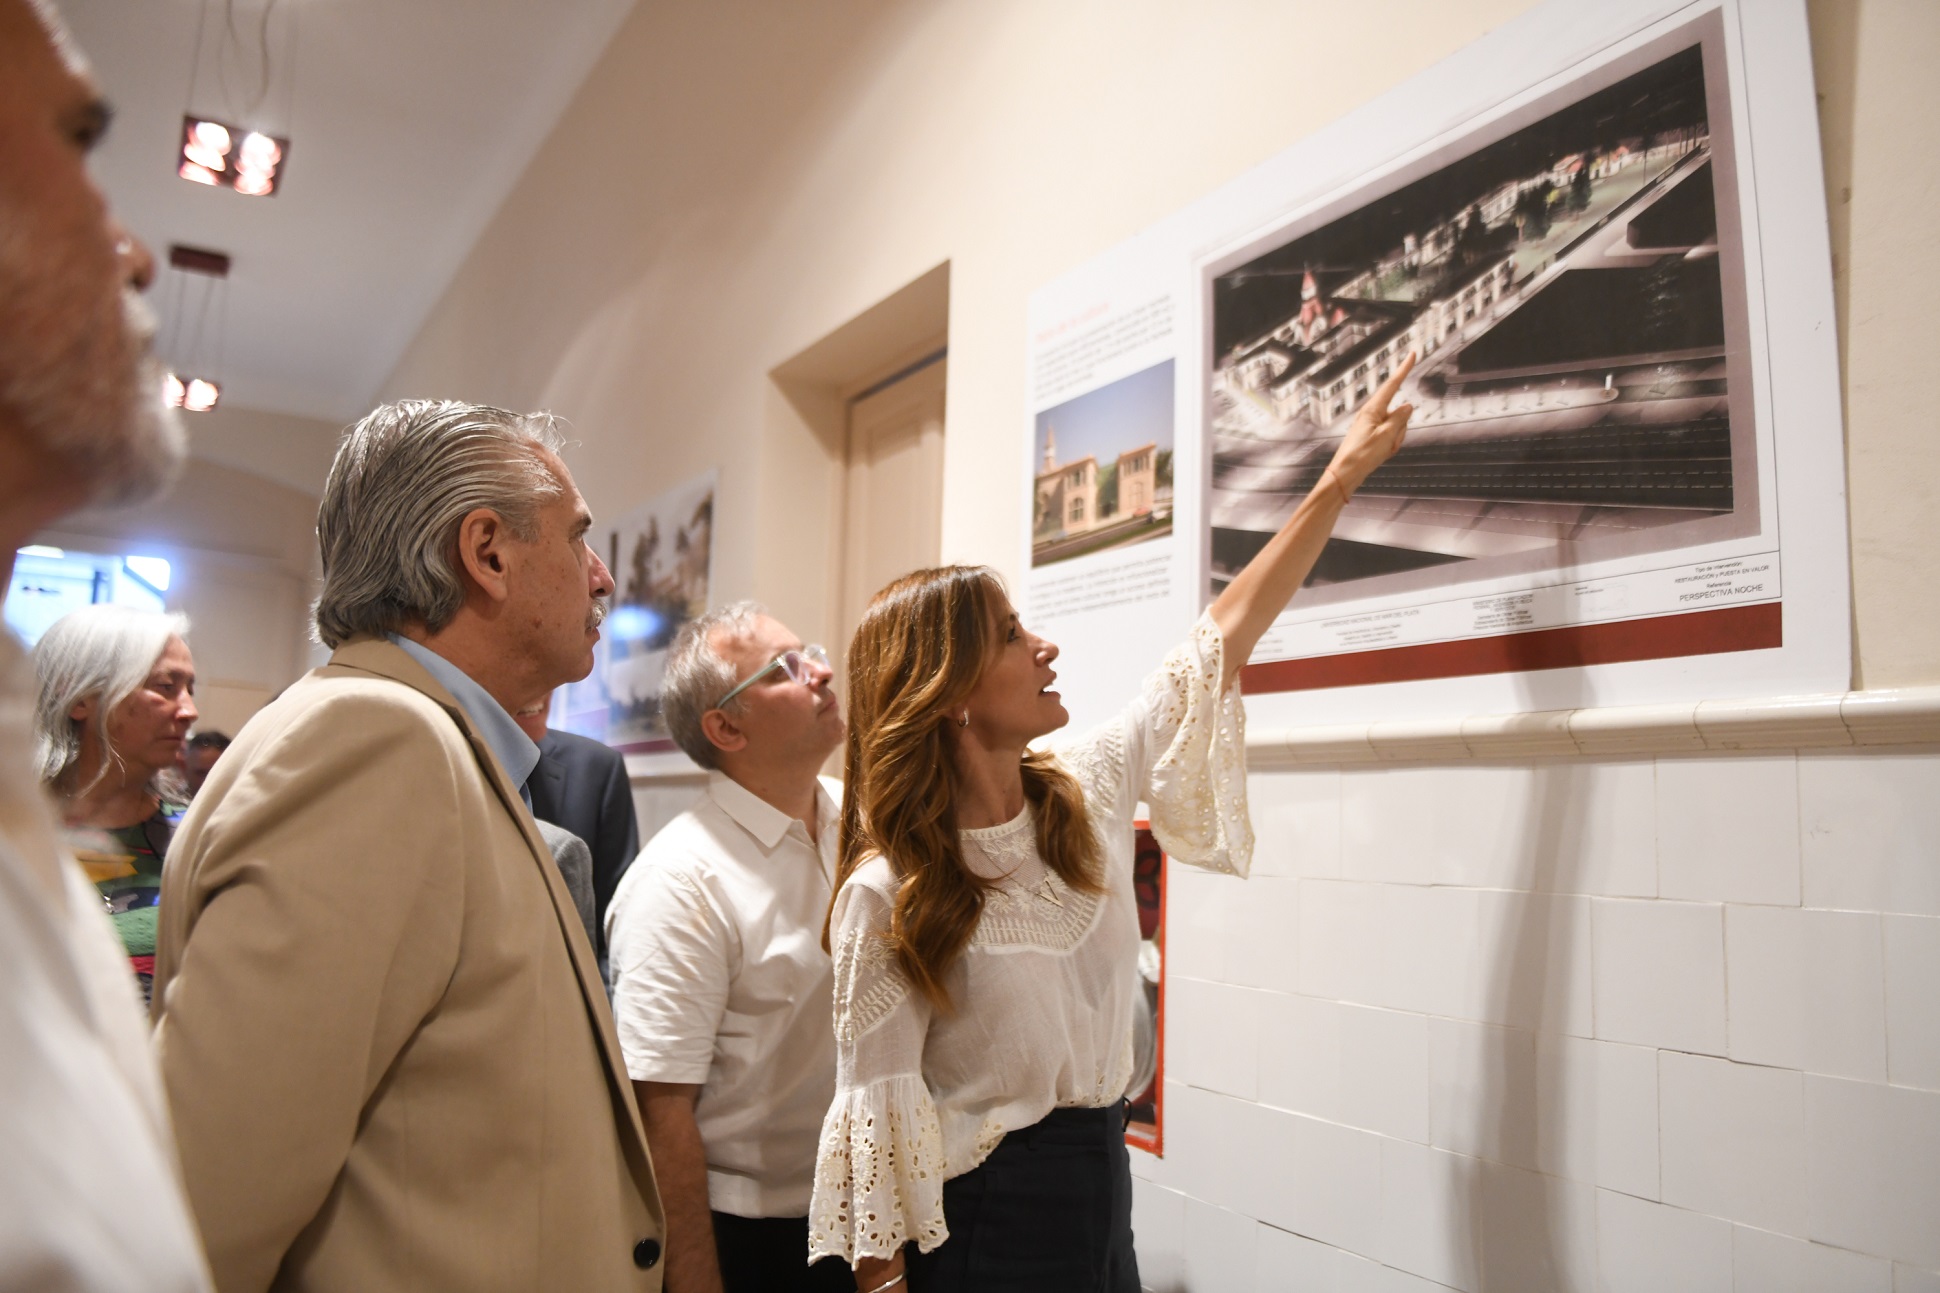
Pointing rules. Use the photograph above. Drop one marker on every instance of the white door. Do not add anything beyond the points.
(893, 520)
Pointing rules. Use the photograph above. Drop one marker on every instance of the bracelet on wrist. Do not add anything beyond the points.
(888, 1284)
(1339, 486)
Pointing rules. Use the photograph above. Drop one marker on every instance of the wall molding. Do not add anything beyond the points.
(1901, 716)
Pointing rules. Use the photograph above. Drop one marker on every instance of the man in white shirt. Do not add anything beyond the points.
(89, 1193)
(720, 985)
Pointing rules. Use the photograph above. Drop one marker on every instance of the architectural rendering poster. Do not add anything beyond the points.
(1627, 393)
(660, 554)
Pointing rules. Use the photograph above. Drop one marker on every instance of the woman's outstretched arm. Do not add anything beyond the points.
(1262, 590)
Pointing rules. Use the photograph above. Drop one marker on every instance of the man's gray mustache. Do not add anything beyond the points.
(139, 319)
(596, 616)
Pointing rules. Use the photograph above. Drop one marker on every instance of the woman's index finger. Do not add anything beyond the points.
(1393, 384)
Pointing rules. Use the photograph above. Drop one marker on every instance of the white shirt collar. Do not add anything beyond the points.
(760, 818)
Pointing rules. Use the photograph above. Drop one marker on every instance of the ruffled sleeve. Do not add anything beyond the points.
(880, 1166)
(1196, 786)
(1180, 748)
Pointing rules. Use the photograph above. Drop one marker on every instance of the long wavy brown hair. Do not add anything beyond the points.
(921, 647)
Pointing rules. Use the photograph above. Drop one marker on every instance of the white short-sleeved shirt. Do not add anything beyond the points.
(719, 978)
(1043, 991)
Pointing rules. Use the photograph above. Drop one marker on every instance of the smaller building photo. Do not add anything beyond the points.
(1104, 468)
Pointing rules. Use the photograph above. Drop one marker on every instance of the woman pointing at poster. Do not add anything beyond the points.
(984, 927)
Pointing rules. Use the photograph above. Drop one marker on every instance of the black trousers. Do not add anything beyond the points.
(770, 1255)
(1050, 1211)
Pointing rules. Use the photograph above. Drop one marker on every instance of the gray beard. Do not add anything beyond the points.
(106, 417)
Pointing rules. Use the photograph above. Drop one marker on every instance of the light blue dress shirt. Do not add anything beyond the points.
(515, 750)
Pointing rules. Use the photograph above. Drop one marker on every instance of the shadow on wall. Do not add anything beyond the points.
(1522, 1219)
(1835, 66)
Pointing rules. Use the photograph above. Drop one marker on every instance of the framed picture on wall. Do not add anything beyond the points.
(661, 555)
(1602, 230)
(1581, 482)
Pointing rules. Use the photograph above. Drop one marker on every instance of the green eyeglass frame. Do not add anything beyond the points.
(796, 664)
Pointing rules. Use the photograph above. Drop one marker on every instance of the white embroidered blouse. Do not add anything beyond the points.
(1044, 990)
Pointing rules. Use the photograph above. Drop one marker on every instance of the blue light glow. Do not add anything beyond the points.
(633, 623)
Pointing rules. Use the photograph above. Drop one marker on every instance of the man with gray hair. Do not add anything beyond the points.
(380, 1022)
(89, 1198)
(723, 992)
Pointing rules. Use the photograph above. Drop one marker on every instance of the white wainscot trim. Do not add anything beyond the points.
(1903, 716)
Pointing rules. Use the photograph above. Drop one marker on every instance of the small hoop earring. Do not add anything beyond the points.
(965, 720)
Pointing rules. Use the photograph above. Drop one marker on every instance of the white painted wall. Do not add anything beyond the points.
(292, 451)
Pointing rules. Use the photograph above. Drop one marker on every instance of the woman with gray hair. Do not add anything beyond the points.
(116, 701)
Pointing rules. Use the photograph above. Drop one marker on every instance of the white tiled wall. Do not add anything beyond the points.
(1652, 1025)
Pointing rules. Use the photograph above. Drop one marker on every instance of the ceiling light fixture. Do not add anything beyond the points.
(197, 395)
(188, 344)
(225, 156)
(211, 149)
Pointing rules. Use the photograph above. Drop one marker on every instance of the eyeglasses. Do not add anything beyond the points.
(798, 665)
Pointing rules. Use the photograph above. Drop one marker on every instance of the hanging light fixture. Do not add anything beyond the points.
(196, 395)
(214, 151)
(194, 347)
(225, 156)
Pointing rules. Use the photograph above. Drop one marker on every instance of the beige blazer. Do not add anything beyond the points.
(387, 1052)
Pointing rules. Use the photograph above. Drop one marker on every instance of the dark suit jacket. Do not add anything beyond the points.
(582, 785)
(575, 864)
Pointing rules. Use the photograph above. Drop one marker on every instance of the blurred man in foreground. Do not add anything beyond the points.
(89, 1195)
